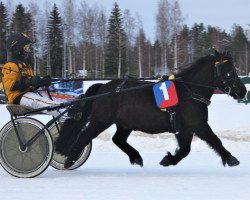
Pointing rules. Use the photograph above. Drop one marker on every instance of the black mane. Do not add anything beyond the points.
(183, 69)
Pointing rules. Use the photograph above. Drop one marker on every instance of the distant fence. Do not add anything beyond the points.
(246, 81)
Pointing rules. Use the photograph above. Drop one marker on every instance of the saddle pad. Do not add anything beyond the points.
(165, 94)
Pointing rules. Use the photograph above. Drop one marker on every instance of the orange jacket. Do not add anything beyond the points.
(12, 73)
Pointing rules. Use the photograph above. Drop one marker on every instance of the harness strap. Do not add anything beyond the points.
(196, 96)
(173, 121)
(200, 98)
(119, 87)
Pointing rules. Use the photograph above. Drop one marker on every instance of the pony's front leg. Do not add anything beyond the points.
(204, 132)
(120, 139)
(184, 141)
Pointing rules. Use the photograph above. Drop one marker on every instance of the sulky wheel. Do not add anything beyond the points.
(59, 160)
(32, 160)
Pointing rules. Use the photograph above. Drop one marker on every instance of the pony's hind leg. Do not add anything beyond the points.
(184, 139)
(120, 139)
(205, 133)
(91, 132)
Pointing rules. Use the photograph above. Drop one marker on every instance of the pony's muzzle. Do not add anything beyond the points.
(239, 92)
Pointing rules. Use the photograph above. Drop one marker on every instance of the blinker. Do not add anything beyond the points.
(27, 48)
(218, 66)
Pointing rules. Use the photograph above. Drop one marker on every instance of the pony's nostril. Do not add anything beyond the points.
(241, 93)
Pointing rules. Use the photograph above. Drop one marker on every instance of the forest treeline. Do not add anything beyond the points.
(82, 39)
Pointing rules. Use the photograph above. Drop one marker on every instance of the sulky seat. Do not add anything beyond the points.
(15, 109)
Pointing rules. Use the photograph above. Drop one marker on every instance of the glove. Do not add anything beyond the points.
(46, 81)
(35, 81)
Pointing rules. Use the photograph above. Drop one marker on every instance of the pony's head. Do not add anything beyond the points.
(226, 77)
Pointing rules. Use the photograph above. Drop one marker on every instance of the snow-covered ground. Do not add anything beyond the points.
(108, 174)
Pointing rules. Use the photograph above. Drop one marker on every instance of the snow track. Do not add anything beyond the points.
(108, 173)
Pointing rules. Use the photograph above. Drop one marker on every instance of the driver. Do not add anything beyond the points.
(20, 83)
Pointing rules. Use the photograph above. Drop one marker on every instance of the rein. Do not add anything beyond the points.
(93, 97)
(56, 80)
(120, 89)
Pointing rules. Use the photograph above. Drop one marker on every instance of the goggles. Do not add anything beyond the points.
(27, 48)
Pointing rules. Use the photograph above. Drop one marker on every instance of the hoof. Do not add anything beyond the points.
(137, 162)
(166, 161)
(232, 161)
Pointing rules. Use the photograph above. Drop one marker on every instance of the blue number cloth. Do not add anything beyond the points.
(165, 94)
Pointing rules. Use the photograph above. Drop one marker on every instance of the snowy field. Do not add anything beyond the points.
(108, 174)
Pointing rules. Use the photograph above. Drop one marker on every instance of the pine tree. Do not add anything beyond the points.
(157, 52)
(54, 44)
(198, 41)
(21, 21)
(240, 48)
(115, 59)
(3, 33)
(184, 46)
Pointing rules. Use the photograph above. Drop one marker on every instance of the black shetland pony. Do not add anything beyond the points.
(136, 110)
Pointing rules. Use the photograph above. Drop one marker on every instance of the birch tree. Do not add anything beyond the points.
(33, 9)
(45, 48)
(163, 31)
(176, 24)
(101, 35)
(140, 41)
(69, 27)
(82, 32)
(130, 29)
(87, 27)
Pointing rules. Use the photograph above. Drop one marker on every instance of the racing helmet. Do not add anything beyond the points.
(19, 45)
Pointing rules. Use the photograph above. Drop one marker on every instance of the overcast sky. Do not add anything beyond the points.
(221, 13)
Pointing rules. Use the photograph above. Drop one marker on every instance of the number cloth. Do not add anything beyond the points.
(165, 94)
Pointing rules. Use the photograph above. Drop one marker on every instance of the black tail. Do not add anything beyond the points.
(71, 128)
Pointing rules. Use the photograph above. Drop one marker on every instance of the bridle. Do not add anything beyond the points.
(224, 82)
(228, 80)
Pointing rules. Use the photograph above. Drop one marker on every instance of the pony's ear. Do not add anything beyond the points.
(216, 54)
(228, 53)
